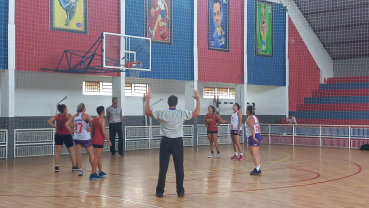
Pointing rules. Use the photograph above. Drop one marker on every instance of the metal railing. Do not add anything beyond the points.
(4, 143)
(148, 137)
(224, 135)
(349, 136)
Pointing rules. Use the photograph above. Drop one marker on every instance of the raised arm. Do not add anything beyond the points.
(196, 112)
(148, 110)
(51, 121)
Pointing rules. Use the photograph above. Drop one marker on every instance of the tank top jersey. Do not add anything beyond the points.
(60, 124)
(234, 121)
(80, 128)
(211, 121)
(256, 127)
(97, 136)
(161, 5)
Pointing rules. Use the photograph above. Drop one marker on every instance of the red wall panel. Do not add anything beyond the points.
(216, 66)
(38, 47)
(304, 75)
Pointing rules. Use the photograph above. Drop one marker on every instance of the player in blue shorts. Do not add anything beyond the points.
(164, 12)
(253, 136)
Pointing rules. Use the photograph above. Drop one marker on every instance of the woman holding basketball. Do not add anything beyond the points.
(236, 131)
(212, 121)
(62, 136)
(78, 125)
(254, 138)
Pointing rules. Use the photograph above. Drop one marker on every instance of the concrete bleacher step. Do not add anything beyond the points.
(341, 93)
(333, 115)
(333, 107)
(336, 80)
(341, 86)
(336, 100)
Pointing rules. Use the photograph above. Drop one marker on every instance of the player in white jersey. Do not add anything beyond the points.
(236, 131)
(78, 125)
(253, 135)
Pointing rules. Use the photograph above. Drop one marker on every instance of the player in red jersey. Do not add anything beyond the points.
(98, 133)
(62, 135)
(212, 121)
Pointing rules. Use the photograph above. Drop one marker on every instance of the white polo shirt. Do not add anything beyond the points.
(171, 121)
(291, 121)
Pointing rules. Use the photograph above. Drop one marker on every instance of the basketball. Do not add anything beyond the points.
(164, 35)
(152, 12)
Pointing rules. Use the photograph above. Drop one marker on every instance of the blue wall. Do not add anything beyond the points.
(167, 61)
(262, 70)
(4, 34)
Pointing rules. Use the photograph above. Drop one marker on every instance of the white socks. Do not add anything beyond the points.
(236, 153)
(241, 154)
(257, 167)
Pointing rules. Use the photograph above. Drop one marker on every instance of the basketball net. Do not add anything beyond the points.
(133, 72)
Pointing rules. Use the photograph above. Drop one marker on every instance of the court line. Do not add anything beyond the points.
(110, 197)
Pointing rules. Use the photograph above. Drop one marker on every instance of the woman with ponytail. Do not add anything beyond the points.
(253, 135)
(78, 125)
(62, 136)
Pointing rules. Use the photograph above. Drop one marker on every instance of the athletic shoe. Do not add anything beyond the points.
(218, 155)
(94, 176)
(152, 33)
(181, 195)
(102, 174)
(235, 157)
(80, 172)
(241, 158)
(255, 172)
(284, 134)
(75, 168)
(211, 155)
(56, 168)
(159, 194)
(121, 154)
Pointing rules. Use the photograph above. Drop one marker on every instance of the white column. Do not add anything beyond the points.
(244, 86)
(287, 66)
(8, 76)
(195, 50)
(119, 82)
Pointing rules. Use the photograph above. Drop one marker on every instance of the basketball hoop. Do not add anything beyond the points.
(133, 72)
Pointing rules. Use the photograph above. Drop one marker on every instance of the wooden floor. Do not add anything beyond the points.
(292, 177)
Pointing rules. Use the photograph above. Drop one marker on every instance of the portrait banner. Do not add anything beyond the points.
(158, 24)
(263, 28)
(69, 16)
(218, 25)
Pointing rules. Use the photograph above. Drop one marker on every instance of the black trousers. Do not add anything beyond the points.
(113, 129)
(171, 146)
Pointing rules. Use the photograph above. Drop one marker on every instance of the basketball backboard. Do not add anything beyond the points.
(130, 50)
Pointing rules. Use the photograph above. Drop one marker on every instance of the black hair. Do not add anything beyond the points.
(100, 109)
(61, 108)
(220, 3)
(172, 100)
(238, 106)
(114, 98)
(290, 114)
(251, 108)
(212, 107)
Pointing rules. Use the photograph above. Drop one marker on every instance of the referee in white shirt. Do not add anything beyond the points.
(115, 119)
(171, 129)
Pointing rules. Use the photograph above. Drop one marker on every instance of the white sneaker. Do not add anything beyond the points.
(218, 155)
(80, 172)
(211, 155)
(284, 133)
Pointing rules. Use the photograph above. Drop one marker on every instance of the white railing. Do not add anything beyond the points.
(148, 137)
(224, 135)
(3, 143)
(39, 142)
(349, 136)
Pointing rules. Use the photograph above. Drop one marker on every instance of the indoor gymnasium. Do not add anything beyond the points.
(184, 103)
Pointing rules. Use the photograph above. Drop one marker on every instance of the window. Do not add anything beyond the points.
(97, 88)
(136, 89)
(209, 92)
(106, 88)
